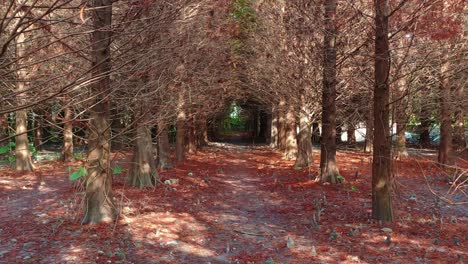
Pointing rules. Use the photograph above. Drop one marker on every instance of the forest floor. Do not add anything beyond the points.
(235, 204)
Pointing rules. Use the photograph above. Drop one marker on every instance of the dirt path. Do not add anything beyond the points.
(229, 204)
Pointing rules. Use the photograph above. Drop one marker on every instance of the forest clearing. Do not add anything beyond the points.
(233, 131)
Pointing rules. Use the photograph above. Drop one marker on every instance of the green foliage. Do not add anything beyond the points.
(81, 172)
(117, 170)
(9, 150)
(340, 178)
(78, 155)
(354, 188)
(243, 11)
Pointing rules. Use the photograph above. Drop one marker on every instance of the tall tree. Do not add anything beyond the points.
(181, 127)
(99, 201)
(163, 146)
(67, 151)
(143, 173)
(304, 139)
(445, 112)
(328, 168)
(23, 155)
(381, 164)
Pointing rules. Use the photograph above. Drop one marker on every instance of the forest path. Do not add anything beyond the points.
(230, 204)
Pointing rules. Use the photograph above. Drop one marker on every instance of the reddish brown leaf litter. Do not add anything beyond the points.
(233, 204)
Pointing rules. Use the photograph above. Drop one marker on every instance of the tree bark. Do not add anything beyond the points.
(401, 104)
(180, 136)
(291, 134)
(22, 153)
(274, 129)
(67, 151)
(351, 131)
(282, 125)
(98, 198)
(369, 139)
(328, 168)
(445, 145)
(426, 123)
(381, 166)
(315, 133)
(164, 148)
(192, 137)
(459, 128)
(143, 173)
(304, 141)
(38, 131)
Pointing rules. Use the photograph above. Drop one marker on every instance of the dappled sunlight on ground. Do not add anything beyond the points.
(234, 204)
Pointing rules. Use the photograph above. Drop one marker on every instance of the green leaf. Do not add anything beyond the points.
(190, 174)
(11, 159)
(117, 170)
(32, 149)
(354, 188)
(12, 144)
(78, 174)
(4, 149)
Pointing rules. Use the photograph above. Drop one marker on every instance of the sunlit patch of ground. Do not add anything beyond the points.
(235, 204)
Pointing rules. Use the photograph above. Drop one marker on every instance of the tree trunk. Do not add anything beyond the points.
(38, 131)
(192, 137)
(274, 128)
(369, 140)
(304, 141)
(180, 136)
(381, 165)
(459, 128)
(282, 125)
(22, 153)
(339, 133)
(143, 173)
(328, 168)
(291, 134)
(3, 128)
(445, 145)
(315, 133)
(164, 148)
(426, 122)
(268, 127)
(98, 199)
(401, 104)
(351, 131)
(67, 151)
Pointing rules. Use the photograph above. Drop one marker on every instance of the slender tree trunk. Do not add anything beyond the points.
(268, 127)
(23, 155)
(304, 141)
(274, 129)
(291, 134)
(339, 133)
(180, 136)
(143, 173)
(3, 128)
(445, 145)
(164, 148)
(369, 138)
(99, 203)
(328, 168)
(459, 128)
(315, 133)
(192, 137)
(282, 125)
(401, 104)
(38, 131)
(381, 166)
(67, 151)
(426, 123)
(351, 131)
